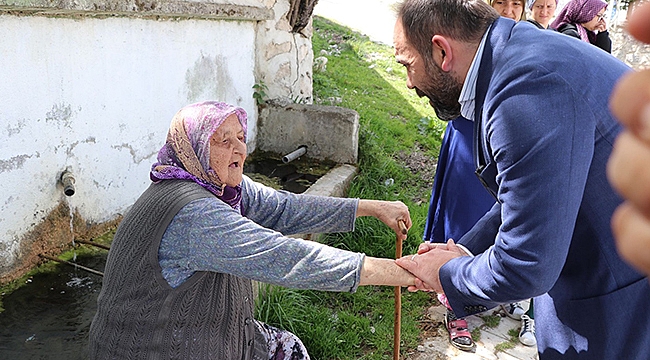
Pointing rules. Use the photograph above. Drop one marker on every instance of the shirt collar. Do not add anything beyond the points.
(468, 93)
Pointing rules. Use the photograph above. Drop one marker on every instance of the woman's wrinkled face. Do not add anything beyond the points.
(512, 9)
(597, 23)
(228, 151)
(543, 11)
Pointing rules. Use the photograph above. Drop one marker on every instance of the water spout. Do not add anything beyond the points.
(67, 180)
(294, 154)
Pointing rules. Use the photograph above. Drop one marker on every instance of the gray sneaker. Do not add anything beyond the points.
(513, 310)
(527, 332)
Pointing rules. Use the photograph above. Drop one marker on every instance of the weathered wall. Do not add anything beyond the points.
(284, 58)
(91, 86)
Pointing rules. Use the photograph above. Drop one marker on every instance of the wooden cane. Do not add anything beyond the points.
(398, 295)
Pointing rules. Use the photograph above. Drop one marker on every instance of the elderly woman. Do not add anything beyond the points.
(177, 281)
(542, 12)
(585, 20)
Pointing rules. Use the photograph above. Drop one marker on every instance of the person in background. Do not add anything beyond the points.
(628, 169)
(543, 155)
(542, 12)
(585, 20)
(512, 9)
(177, 282)
(458, 201)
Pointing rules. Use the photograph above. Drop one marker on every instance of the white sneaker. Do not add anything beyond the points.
(514, 310)
(527, 332)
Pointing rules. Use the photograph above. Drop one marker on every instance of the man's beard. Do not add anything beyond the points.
(443, 92)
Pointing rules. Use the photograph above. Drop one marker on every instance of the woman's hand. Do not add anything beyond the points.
(389, 212)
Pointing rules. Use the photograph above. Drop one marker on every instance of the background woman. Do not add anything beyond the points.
(512, 9)
(177, 281)
(585, 20)
(542, 12)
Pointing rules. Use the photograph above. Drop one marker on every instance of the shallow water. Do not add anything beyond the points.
(50, 316)
(287, 175)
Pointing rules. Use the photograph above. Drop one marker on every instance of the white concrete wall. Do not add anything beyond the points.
(90, 86)
(96, 96)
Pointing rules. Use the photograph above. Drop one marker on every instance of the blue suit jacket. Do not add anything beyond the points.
(542, 99)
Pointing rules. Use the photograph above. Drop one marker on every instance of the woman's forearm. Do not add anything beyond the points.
(376, 271)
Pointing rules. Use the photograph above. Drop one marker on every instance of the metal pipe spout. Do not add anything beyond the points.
(67, 180)
(301, 150)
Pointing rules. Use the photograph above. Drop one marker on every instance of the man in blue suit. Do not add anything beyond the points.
(543, 133)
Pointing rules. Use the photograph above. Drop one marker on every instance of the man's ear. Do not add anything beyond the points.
(442, 52)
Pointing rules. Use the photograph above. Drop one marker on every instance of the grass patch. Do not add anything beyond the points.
(476, 334)
(503, 346)
(491, 321)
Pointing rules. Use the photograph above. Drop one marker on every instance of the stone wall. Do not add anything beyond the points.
(285, 58)
(634, 53)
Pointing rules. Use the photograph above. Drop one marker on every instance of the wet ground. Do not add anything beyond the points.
(279, 175)
(50, 316)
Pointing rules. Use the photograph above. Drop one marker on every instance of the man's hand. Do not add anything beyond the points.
(426, 264)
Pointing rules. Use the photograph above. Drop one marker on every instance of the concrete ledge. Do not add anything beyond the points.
(334, 183)
(253, 10)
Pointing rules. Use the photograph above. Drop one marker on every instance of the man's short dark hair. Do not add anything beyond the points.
(462, 20)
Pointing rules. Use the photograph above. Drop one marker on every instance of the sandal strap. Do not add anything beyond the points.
(457, 324)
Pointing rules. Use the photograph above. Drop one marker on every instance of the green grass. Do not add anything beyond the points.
(394, 122)
(510, 344)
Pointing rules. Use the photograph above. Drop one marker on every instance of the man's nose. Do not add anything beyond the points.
(409, 84)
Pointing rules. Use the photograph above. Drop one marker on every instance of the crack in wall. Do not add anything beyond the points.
(15, 130)
(136, 159)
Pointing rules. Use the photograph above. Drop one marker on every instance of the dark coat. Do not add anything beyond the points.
(458, 199)
(600, 40)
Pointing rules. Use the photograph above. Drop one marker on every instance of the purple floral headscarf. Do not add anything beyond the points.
(578, 12)
(186, 153)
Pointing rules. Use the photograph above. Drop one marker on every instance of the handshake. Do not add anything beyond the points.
(426, 264)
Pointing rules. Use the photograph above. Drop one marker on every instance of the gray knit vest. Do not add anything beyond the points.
(139, 316)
